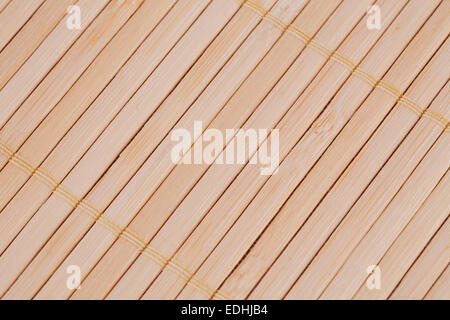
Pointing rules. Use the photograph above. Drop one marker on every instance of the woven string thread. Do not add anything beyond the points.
(347, 63)
(98, 216)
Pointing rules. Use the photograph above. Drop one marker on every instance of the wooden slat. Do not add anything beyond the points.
(204, 238)
(30, 36)
(201, 73)
(72, 105)
(156, 127)
(395, 217)
(413, 239)
(427, 269)
(45, 96)
(62, 77)
(364, 168)
(14, 16)
(4, 4)
(81, 95)
(326, 170)
(215, 93)
(79, 139)
(86, 172)
(297, 120)
(43, 59)
(440, 290)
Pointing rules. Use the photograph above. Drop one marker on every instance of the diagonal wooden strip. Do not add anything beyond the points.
(200, 74)
(43, 59)
(300, 160)
(427, 268)
(95, 214)
(105, 107)
(79, 138)
(236, 31)
(216, 94)
(62, 77)
(441, 288)
(413, 239)
(168, 146)
(394, 218)
(30, 36)
(72, 106)
(341, 151)
(238, 108)
(86, 89)
(178, 61)
(382, 84)
(364, 167)
(292, 127)
(14, 16)
(4, 4)
(203, 240)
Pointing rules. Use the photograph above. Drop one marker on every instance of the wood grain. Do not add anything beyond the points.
(31, 36)
(45, 57)
(13, 17)
(355, 179)
(87, 177)
(328, 168)
(427, 269)
(413, 239)
(439, 291)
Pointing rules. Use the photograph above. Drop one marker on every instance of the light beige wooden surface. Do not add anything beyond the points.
(363, 169)
(440, 290)
(427, 269)
(323, 174)
(226, 118)
(13, 15)
(4, 4)
(49, 52)
(30, 36)
(416, 235)
(86, 176)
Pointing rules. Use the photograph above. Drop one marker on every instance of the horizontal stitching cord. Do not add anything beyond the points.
(346, 62)
(97, 215)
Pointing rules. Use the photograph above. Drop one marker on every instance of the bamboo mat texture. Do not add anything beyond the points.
(224, 149)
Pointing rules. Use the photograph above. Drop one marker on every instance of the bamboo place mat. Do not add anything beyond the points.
(347, 99)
